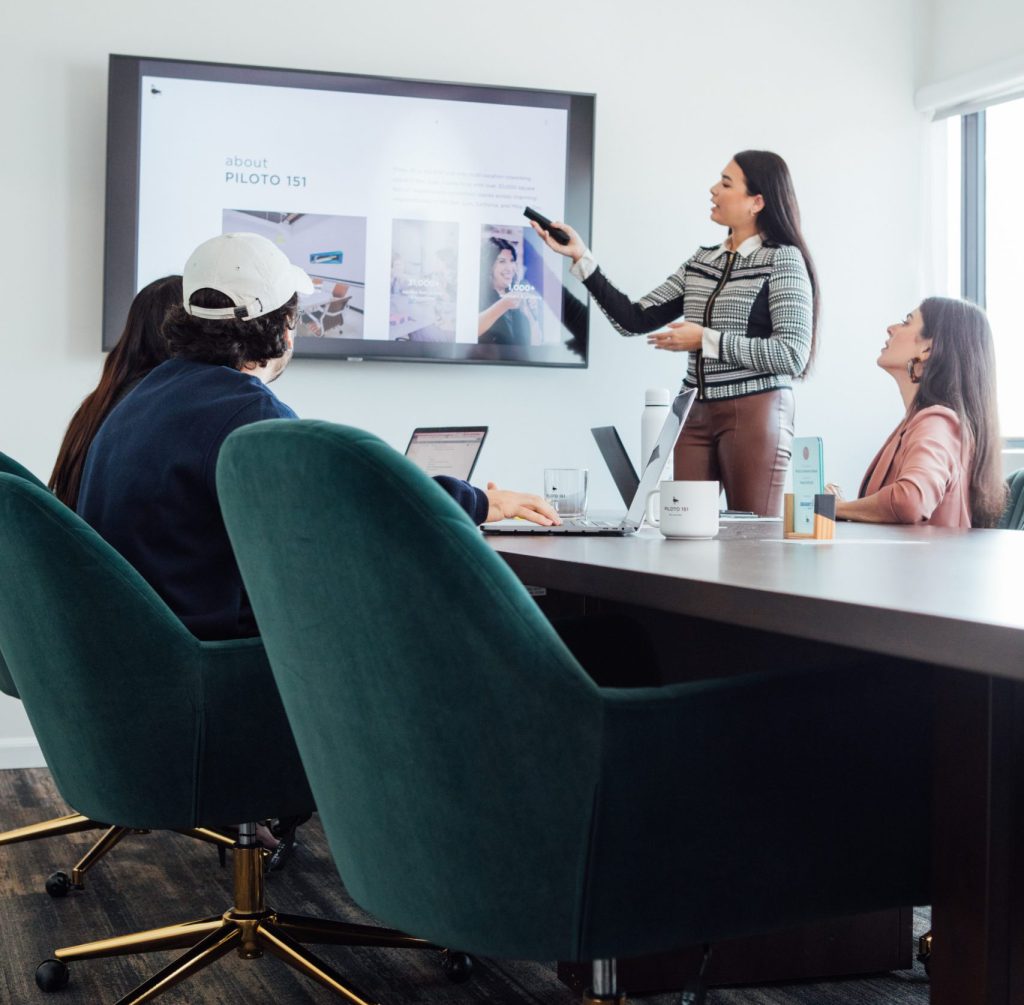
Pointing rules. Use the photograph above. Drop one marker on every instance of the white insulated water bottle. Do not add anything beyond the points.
(656, 405)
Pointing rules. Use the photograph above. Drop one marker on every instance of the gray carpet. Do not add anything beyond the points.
(158, 879)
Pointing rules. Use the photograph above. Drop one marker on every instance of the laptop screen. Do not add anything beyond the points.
(680, 409)
(451, 450)
(619, 465)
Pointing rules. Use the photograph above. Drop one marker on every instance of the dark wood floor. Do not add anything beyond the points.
(158, 879)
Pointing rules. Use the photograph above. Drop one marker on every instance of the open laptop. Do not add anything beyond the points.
(619, 465)
(447, 450)
(630, 523)
(624, 474)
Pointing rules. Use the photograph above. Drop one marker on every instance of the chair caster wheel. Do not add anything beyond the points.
(457, 967)
(52, 975)
(58, 885)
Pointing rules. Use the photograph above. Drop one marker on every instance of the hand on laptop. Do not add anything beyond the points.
(505, 504)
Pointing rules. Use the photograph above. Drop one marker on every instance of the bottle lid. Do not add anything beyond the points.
(657, 396)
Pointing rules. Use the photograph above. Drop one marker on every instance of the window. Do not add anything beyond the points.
(991, 237)
(1004, 254)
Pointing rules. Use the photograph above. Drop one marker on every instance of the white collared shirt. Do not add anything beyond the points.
(751, 244)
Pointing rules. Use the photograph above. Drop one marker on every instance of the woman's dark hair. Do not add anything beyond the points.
(779, 222)
(500, 245)
(140, 348)
(227, 342)
(960, 373)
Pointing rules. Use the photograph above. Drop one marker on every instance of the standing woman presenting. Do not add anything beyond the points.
(749, 311)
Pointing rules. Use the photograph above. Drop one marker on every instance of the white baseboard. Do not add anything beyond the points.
(20, 752)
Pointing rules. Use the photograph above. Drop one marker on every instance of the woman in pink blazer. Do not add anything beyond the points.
(941, 464)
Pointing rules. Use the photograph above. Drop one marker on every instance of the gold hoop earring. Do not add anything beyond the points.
(915, 377)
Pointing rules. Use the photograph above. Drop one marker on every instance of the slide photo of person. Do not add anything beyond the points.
(332, 250)
(511, 287)
(424, 269)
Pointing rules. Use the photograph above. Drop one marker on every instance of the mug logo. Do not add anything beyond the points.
(674, 499)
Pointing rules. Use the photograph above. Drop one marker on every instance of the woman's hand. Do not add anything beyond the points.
(682, 336)
(842, 506)
(574, 249)
(505, 504)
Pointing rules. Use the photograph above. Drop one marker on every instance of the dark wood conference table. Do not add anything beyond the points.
(950, 599)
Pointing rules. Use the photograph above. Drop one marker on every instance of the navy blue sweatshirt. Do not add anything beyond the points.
(148, 488)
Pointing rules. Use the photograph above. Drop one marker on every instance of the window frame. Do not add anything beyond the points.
(972, 208)
(973, 236)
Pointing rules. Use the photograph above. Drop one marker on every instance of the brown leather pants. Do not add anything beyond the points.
(744, 443)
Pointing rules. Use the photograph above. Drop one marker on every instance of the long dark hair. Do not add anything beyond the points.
(960, 373)
(779, 222)
(140, 348)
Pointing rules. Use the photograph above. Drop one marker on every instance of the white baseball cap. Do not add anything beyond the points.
(248, 269)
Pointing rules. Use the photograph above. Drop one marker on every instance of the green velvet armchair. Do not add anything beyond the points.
(142, 723)
(60, 883)
(1013, 514)
(478, 789)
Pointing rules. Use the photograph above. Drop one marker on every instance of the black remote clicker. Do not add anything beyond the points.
(545, 224)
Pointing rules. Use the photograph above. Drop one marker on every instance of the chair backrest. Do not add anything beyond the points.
(9, 466)
(1013, 514)
(451, 740)
(114, 684)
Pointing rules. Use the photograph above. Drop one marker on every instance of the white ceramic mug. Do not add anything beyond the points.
(685, 509)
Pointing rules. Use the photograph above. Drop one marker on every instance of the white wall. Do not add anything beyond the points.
(964, 37)
(680, 88)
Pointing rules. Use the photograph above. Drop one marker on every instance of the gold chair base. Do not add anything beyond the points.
(111, 837)
(73, 823)
(252, 930)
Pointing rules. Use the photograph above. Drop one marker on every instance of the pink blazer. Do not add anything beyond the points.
(922, 472)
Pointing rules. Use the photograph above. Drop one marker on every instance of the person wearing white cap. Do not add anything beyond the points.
(148, 485)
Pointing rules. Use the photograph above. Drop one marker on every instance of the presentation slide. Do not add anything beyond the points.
(405, 211)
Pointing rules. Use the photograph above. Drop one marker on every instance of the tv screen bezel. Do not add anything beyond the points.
(122, 198)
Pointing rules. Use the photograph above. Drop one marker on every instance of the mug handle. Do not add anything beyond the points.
(653, 516)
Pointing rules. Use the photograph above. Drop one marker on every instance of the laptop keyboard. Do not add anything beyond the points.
(584, 524)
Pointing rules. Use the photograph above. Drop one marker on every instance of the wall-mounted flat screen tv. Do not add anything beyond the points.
(402, 199)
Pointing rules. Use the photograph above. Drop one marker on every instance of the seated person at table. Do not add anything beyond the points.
(940, 465)
(148, 486)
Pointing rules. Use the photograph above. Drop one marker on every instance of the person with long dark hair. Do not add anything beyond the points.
(941, 464)
(749, 309)
(506, 314)
(140, 348)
